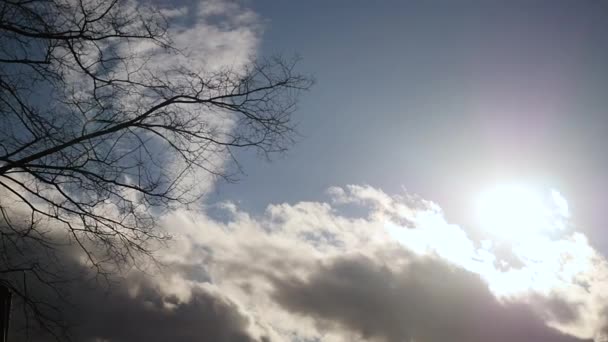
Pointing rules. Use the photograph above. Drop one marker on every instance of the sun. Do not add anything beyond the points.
(515, 211)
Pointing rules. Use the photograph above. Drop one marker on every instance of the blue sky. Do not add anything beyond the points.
(448, 184)
(442, 98)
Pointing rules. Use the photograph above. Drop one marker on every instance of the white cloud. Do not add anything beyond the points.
(397, 272)
(306, 271)
(253, 259)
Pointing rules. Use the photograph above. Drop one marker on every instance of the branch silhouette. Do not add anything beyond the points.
(100, 134)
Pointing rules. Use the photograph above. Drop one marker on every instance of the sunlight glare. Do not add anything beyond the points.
(513, 212)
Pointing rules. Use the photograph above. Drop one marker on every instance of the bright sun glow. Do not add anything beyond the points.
(515, 212)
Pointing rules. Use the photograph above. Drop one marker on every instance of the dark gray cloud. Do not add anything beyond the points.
(304, 287)
(555, 308)
(146, 317)
(138, 307)
(426, 301)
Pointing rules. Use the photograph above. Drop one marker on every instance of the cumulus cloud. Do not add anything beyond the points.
(306, 272)
(309, 272)
(392, 270)
(426, 300)
(142, 307)
(145, 313)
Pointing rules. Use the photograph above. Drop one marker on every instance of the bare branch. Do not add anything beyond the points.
(97, 139)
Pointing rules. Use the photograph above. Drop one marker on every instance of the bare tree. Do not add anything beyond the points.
(98, 136)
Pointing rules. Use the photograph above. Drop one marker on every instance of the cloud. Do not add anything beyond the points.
(392, 270)
(212, 36)
(145, 313)
(427, 300)
(307, 271)
(140, 307)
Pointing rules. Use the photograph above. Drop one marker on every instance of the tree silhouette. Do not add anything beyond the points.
(99, 135)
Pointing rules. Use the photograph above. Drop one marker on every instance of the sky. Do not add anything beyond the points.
(442, 99)
(447, 184)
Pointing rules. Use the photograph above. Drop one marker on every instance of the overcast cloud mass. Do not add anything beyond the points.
(359, 263)
(307, 272)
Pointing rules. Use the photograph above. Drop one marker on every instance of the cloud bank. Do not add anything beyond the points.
(309, 272)
(363, 265)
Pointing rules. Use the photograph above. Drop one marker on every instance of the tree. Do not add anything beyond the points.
(99, 136)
